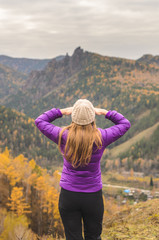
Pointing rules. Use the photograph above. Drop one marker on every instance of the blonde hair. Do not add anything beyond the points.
(79, 144)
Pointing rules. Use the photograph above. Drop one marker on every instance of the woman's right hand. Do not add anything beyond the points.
(100, 111)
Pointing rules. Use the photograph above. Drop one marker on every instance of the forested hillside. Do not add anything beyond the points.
(23, 65)
(10, 82)
(107, 81)
(129, 86)
(19, 133)
(149, 59)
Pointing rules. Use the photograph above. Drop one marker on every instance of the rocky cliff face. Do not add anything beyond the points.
(56, 72)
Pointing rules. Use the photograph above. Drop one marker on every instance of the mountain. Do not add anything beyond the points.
(128, 86)
(89, 75)
(25, 65)
(39, 83)
(149, 59)
(55, 73)
(14, 73)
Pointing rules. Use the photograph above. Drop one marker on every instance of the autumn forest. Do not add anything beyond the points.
(30, 163)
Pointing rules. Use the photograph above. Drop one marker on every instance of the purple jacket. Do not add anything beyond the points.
(88, 178)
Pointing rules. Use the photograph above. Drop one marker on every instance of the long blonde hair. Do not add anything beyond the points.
(79, 144)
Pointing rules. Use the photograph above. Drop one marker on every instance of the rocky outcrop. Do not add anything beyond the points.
(56, 72)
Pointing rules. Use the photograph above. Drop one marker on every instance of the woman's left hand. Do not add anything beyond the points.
(66, 111)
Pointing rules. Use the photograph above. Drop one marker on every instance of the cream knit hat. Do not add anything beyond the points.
(83, 112)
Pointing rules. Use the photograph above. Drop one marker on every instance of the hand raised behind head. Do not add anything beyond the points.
(66, 111)
(100, 111)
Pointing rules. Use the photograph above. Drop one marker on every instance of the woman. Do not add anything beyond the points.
(82, 145)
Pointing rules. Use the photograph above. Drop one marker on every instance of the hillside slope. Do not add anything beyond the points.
(19, 133)
(140, 221)
(10, 82)
(23, 65)
(140, 153)
(146, 134)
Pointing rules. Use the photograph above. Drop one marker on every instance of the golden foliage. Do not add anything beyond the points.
(17, 202)
(24, 175)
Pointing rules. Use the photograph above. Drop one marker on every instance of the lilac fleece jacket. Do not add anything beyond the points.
(88, 178)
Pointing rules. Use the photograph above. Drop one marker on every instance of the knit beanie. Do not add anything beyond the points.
(83, 112)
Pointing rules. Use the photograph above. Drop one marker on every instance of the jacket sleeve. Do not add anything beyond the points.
(43, 123)
(113, 133)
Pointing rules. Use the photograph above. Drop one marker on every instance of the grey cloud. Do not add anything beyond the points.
(52, 27)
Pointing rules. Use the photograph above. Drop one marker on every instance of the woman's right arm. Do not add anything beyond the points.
(113, 133)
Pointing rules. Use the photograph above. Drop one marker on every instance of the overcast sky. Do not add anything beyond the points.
(48, 28)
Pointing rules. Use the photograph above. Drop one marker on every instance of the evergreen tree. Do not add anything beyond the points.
(151, 182)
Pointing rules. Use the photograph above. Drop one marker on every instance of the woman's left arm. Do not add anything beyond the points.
(43, 123)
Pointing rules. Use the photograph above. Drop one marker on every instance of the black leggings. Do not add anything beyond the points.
(75, 206)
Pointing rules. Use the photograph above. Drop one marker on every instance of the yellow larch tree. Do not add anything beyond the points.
(17, 202)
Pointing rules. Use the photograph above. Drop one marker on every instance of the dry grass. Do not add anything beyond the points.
(138, 222)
